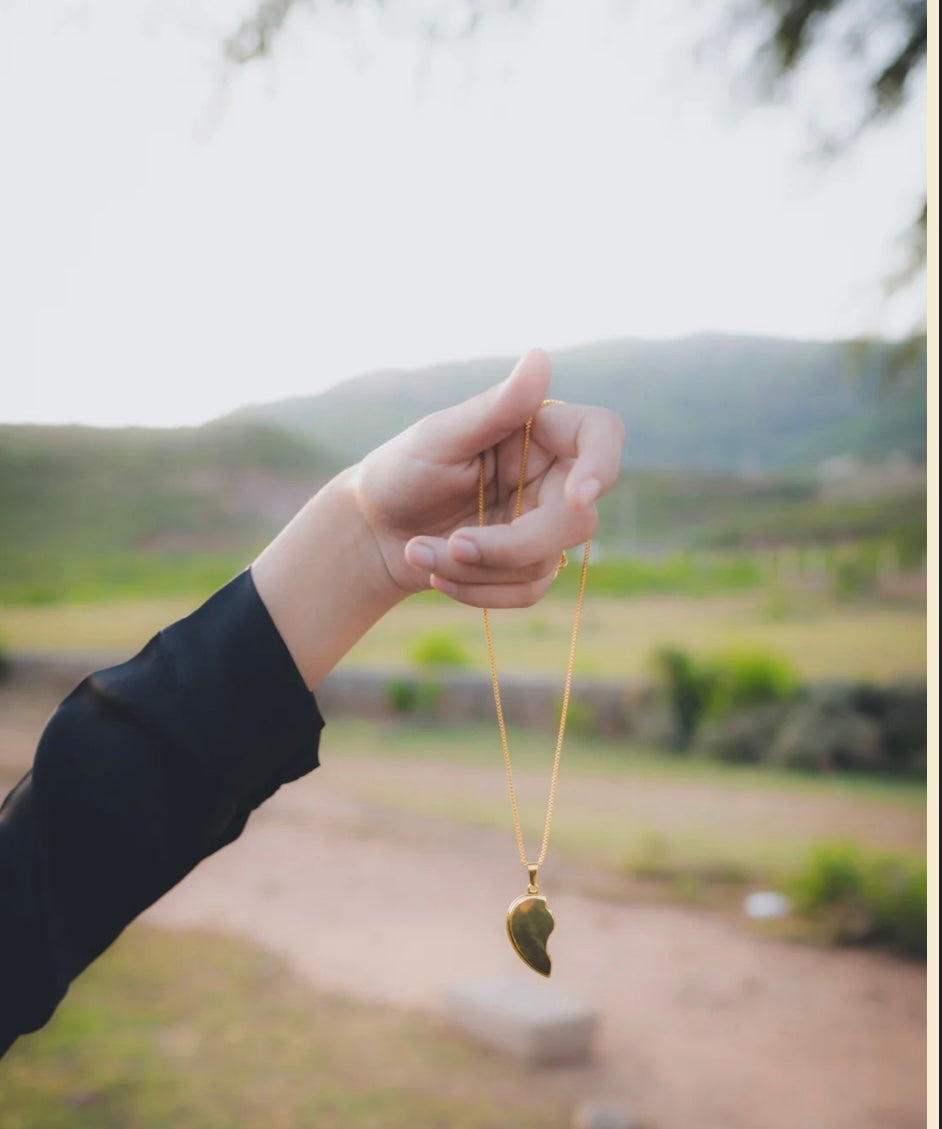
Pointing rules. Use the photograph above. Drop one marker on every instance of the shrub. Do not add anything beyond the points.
(580, 718)
(746, 735)
(750, 678)
(861, 899)
(714, 687)
(440, 649)
(412, 695)
(825, 736)
(852, 577)
(689, 686)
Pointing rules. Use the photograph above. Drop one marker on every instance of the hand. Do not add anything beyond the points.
(418, 494)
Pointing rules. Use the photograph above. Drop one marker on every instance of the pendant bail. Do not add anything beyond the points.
(533, 888)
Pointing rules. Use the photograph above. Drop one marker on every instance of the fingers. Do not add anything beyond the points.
(593, 438)
(464, 431)
(522, 595)
(502, 566)
(521, 550)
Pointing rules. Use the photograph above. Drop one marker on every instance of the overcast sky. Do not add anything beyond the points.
(174, 244)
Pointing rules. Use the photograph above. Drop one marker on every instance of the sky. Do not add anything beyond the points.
(178, 238)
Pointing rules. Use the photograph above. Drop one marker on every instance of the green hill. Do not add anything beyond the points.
(725, 440)
(93, 511)
(706, 402)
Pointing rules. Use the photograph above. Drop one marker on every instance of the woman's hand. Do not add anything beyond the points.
(418, 494)
(406, 517)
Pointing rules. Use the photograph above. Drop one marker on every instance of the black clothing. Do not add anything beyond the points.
(144, 770)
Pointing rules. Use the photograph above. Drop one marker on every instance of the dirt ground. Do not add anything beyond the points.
(701, 1022)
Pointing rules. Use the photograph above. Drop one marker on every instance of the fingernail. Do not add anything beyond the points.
(586, 492)
(464, 549)
(420, 555)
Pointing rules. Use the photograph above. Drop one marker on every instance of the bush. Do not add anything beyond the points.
(901, 712)
(714, 687)
(689, 686)
(861, 899)
(581, 718)
(412, 695)
(747, 735)
(750, 678)
(825, 736)
(440, 649)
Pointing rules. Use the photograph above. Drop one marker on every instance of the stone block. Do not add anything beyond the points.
(530, 1020)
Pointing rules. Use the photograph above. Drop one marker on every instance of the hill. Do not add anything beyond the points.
(707, 402)
(88, 512)
(92, 511)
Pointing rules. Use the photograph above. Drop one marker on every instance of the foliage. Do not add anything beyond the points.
(260, 29)
(581, 718)
(412, 695)
(689, 686)
(696, 574)
(876, 47)
(859, 898)
(873, 48)
(438, 649)
(711, 688)
(747, 735)
(749, 678)
(883, 43)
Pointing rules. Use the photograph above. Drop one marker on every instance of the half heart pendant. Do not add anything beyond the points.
(529, 924)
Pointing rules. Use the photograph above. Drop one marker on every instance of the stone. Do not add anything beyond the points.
(529, 1019)
(766, 905)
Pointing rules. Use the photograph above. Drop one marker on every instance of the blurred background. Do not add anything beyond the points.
(244, 243)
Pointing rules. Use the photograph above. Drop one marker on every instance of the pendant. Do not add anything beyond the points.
(529, 924)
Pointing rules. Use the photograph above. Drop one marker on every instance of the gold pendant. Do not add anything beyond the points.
(529, 924)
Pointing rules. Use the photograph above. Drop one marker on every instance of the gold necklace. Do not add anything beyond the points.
(529, 920)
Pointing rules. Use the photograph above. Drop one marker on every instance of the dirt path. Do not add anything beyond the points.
(702, 1024)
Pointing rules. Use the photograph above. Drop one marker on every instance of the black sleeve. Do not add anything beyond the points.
(143, 771)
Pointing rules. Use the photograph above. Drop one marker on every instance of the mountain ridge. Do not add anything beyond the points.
(702, 402)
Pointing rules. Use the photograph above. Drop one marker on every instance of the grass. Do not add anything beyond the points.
(819, 638)
(201, 1031)
(686, 828)
(826, 639)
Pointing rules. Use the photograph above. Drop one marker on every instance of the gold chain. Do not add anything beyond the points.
(554, 779)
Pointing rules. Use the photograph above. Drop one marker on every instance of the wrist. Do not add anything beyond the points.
(325, 580)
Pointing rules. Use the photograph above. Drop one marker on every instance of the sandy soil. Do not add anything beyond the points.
(701, 1022)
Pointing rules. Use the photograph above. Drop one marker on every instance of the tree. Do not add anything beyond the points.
(878, 46)
(881, 48)
(450, 19)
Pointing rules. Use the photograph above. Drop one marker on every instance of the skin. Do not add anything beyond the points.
(405, 519)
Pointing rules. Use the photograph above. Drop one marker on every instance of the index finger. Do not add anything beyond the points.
(592, 437)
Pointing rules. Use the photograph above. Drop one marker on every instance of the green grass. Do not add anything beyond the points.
(862, 898)
(819, 639)
(686, 827)
(200, 1031)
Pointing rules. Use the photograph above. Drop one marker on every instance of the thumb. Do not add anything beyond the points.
(464, 431)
